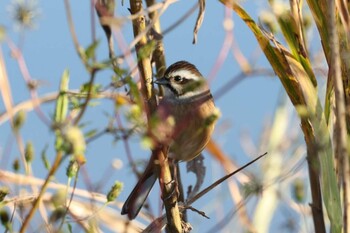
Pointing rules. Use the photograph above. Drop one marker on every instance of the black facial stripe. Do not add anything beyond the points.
(172, 89)
(185, 80)
(182, 80)
(198, 99)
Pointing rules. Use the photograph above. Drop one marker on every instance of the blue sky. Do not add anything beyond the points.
(48, 50)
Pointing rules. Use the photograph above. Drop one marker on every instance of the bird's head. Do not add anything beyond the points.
(182, 81)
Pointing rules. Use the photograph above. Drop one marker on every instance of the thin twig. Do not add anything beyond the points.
(219, 181)
(29, 105)
(77, 46)
(55, 166)
(88, 97)
(127, 146)
(70, 199)
(197, 211)
(226, 44)
(28, 79)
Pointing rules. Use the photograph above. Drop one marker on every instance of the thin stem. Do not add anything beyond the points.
(219, 181)
(21, 151)
(28, 79)
(70, 199)
(72, 32)
(126, 146)
(56, 164)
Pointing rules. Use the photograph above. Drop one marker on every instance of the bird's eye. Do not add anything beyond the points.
(177, 78)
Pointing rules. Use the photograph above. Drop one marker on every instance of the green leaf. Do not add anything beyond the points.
(134, 91)
(90, 133)
(120, 72)
(290, 32)
(61, 110)
(147, 50)
(323, 141)
(85, 88)
(62, 99)
(44, 158)
(317, 8)
(70, 228)
(90, 51)
(101, 65)
(74, 102)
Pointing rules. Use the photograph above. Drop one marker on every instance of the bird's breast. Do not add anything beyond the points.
(192, 130)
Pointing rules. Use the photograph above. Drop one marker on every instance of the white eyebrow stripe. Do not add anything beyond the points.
(191, 94)
(185, 74)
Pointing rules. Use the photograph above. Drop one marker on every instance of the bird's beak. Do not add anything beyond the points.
(162, 81)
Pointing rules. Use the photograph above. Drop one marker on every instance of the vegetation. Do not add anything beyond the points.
(283, 34)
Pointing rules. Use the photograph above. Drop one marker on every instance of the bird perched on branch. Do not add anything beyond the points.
(187, 116)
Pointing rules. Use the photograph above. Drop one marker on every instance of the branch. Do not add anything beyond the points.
(158, 53)
(145, 69)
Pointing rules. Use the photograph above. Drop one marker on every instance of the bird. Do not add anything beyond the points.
(188, 116)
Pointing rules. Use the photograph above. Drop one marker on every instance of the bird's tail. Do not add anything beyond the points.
(139, 194)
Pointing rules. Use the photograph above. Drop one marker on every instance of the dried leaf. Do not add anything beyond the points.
(344, 14)
(199, 20)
